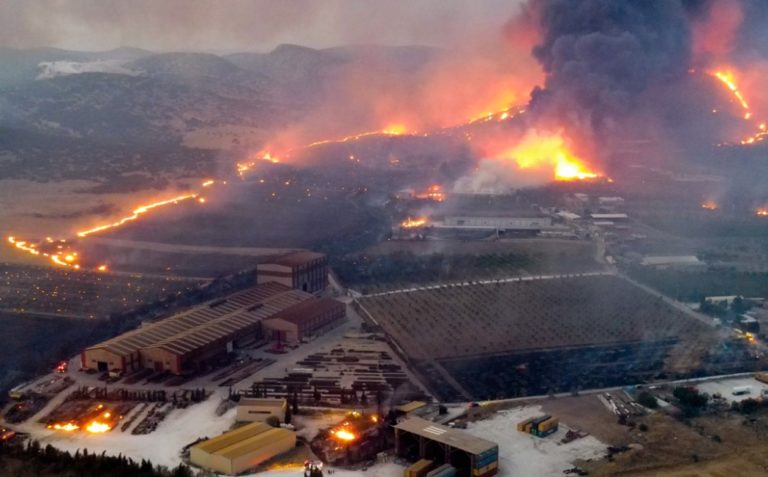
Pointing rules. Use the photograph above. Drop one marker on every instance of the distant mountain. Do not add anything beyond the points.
(186, 65)
(132, 98)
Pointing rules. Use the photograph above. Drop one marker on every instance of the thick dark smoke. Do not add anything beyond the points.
(601, 56)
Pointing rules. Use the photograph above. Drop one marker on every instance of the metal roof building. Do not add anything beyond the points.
(183, 341)
(244, 448)
(417, 438)
(304, 270)
(310, 317)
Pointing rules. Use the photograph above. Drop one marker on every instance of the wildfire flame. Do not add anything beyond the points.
(537, 151)
(567, 168)
(137, 212)
(410, 223)
(727, 78)
(762, 212)
(709, 205)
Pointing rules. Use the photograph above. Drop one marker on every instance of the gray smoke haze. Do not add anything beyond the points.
(234, 25)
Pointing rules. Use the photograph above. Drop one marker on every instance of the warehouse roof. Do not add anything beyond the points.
(246, 401)
(248, 302)
(295, 259)
(446, 435)
(255, 442)
(672, 260)
(233, 437)
(307, 310)
(229, 324)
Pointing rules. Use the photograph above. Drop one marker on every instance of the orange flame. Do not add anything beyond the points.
(67, 427)
(762, 212)
(136, 214)
(433, 192)
(97, 427)
(709, 205)
(345, 435)
(410, 223)
(549, 151)
(727, 77)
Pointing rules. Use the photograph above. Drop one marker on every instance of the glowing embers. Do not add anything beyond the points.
(413, 223)
(549, 152)
(97, 421)
(434, 192)
(66, 427)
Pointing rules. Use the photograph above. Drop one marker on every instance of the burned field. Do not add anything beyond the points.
(529, 337)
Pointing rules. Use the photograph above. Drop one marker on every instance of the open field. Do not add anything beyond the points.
(504, 339)
(400, 264)
(484, 319)
(80, 294)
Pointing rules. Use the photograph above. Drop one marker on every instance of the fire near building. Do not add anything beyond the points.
(189, 341)
(244, 448)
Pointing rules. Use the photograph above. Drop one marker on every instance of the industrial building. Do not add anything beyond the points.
(480, 222)
(417, 438)
(303, 270)
(259, 409)
(307, 319)
(189, 341)
(674, 261)
(242, 449)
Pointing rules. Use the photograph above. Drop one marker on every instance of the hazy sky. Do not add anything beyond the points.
(228, 25)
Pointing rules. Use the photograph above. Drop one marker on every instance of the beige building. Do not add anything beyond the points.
(310, 318)
(304, 270)
(187, 341)
(259, 409)
(244, 448)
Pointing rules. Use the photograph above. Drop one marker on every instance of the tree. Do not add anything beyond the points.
(647, 399)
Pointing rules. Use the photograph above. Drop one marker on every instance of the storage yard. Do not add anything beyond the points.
(510, 338)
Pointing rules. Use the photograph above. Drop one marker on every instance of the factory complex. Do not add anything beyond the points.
(191, 340)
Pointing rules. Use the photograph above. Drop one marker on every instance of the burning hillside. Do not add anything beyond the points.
(606, 77)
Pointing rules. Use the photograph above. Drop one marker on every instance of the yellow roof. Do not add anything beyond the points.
(275, 434)
(233, 437)
(411, 406)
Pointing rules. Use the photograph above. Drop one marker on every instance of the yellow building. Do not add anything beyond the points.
(242, 449)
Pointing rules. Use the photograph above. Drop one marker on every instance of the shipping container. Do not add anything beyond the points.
(521, 426)
(547, 427)
(742, 390)
(537, 421)
(445, 470)
(489, 469)
(419, 469)
(482, 462)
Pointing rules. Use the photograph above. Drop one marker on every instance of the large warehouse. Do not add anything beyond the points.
(309, 318)
(244, 448)
(187, 341)
(304, 270)
(417, 438)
